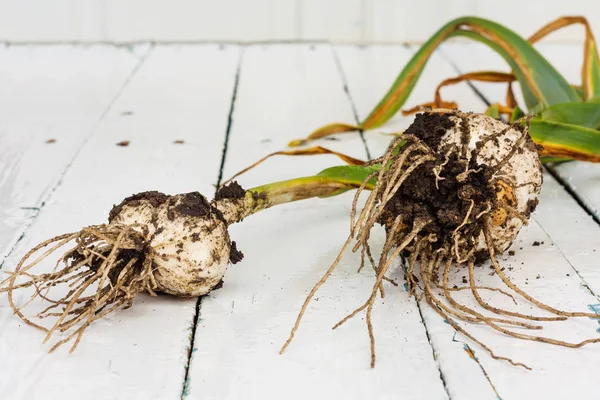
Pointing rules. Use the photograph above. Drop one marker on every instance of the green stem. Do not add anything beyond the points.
(272, 194)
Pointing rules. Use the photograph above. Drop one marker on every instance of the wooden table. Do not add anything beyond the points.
(64, 108)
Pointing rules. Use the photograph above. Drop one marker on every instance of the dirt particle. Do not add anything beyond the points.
(178, 141)
(235, 255)
(259, 196)
(50, 141)
(195, 237)
(123, 143)
(511, 252)
(193, 204)
(126, 113)
(531, 206)
(233, 190)
(153, 197)
(536, 243)
(430, 127)
(445, 202)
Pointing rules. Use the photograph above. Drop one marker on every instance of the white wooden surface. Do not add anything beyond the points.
(167, 99)
(341, 21)
(152, 96)
(50, 93)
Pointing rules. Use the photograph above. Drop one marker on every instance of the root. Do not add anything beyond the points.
(441, 309)
(385, 263)
(487, 320)
(312, 294)
(496, 310)
(507, 282)
(103, 272)
(388, 181)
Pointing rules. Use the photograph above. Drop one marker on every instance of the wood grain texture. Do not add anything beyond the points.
(52, 99)
(284, 92)
(140, 353)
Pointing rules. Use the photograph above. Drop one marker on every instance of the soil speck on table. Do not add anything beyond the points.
(123, 143)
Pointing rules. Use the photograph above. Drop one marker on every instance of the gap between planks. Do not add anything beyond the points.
(67, 168)
(185, 383)
(401, 260)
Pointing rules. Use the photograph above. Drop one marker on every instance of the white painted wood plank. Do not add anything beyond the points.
(561, 254)
(192, 20)
(140, 353)
(369, 73)
(49, 93)
(284, 92)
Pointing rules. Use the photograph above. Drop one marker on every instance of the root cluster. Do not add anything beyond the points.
(435, 241)
(103, 269)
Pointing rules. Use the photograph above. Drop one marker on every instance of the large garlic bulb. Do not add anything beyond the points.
(480, 175)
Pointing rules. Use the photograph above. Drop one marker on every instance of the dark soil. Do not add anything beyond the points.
(419, 199)
(123, 143)
(531, 206)
(232, 190)
(235, 256)
(194, 205)
(155, 198)
(430, 127)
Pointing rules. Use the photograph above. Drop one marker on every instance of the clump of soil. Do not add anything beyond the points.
(445, 202)
(153, 197)
(194, 205)
(235, 256)
(430, 128)
(232, 191)
(123, 143)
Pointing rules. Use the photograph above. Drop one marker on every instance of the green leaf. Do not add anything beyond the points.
(541, 83)
(592, 75)
(565, 140)
(582, 114)
(517, 114)
(350, 174)
(493, 111)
